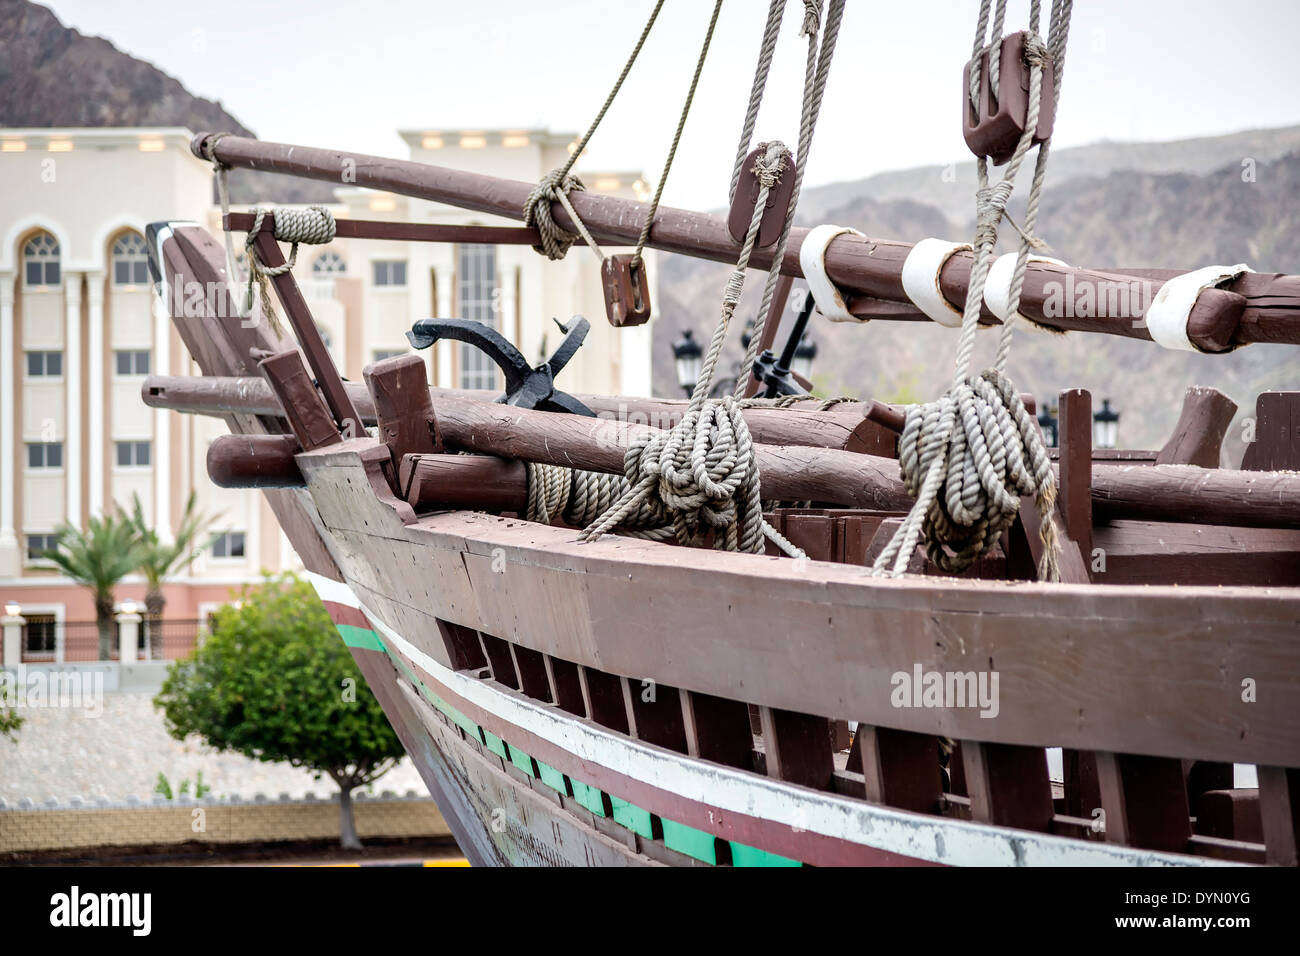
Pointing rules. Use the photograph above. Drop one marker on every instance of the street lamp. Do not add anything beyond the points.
(1105, 426)
(1047, 421)
(13, 609)
(804, 354)
(689, 358)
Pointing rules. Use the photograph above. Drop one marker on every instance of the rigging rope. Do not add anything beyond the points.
(702, 474)
(971, 455)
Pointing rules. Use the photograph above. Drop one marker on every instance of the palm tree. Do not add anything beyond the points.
(159, 560)
(98, 558)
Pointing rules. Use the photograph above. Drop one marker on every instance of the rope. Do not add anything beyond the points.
(677, 137)
(555, 185)
(313, 225)
(766, 51)
(971, 455)
(702, 474)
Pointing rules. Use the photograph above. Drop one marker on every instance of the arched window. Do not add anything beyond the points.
(130, 260)
(328, 264)
(41, 260)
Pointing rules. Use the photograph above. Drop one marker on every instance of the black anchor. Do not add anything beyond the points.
(526, 387)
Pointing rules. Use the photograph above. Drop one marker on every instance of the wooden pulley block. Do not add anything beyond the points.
(996, 128)
(778, 200)
(627, 291)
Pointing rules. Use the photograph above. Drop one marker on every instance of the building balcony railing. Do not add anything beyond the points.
(46, 642)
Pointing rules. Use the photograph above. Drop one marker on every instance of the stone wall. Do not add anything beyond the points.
(134, 823)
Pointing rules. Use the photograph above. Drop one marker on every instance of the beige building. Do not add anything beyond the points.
(79, 330)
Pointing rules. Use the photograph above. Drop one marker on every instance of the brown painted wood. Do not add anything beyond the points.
(412, 231)
(1145, 800)
(1074, 496)
(1150, 552)
(301, 403)
(654, 713)
(798, 747)
(602, 697)
(717, 729)
(1197, 439)
(500, 660)
(254, 461)
(463, 646)
(1277, 433)
(566, 685)
(530, 665)
(870, 267)
(480, 482)
(1082, 790)
(899, 769)
(399, 390)
(1008, 785)
(327, 376)
(1279, 804)
(842, 426)
(1230, 814)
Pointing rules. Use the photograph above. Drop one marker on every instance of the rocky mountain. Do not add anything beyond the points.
(53, 76)
(1121, 215)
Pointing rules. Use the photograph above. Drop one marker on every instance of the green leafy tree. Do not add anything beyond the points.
(98, 558)
(9, 723)
(159, 559)
(274, 682)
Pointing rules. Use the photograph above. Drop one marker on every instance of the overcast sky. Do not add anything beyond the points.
(349, 73)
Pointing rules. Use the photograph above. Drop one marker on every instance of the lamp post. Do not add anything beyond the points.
(1105, 426)
(689, 358)
(1048, 422)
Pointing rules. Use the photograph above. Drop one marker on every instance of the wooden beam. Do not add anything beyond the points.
(1256, 307)
(1197, 439)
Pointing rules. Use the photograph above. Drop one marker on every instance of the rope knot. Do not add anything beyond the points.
(812, 18)
(1036, 52)
(769, 167)
(971, 455)
(553, 187)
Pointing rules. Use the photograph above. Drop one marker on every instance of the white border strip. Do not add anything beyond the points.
(938, 840)
(921, 271)
(812, 259)
(1169, 311)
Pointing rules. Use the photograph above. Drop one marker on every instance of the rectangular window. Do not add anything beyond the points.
(42, 272)
(389, 272)
(132, 362)
(38, 544)
(130, 272)
(44, 364)
(228, 544)
(45, 454)
(40, 635)
(381, 354)
(478, 299)
(132, 454)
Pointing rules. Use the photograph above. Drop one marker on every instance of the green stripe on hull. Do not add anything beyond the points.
(522, 760)
(551, 777)
(632, 817)
(589, 797)
(742, 855)
(688, 840)
(361, 638)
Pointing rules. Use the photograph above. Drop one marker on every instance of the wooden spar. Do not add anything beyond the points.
(1175, 493)
(841, 426)
(1256, 307)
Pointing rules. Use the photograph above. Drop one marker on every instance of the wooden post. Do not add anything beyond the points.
(1197, 439)
(1008, 785)
(798, 747)
(717, 729)
(1145, 801)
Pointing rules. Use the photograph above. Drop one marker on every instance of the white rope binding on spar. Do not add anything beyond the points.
(812, 259)
(997, 293)
(921, 271)
(1172, 306)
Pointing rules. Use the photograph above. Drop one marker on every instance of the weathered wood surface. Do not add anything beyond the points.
(1142, 492)
(1197, 439)
(1120, 669)
(1257, 307)
(841, 426)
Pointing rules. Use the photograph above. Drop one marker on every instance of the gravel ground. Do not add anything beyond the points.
(62, 752)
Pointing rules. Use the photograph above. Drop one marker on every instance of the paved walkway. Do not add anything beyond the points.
(63, 753)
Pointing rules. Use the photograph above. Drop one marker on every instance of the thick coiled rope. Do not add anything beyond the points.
(970, 456)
